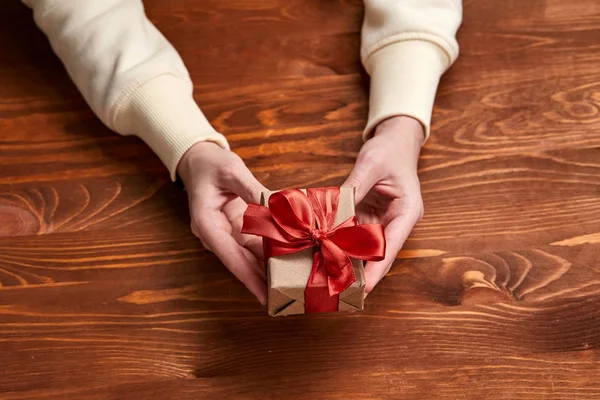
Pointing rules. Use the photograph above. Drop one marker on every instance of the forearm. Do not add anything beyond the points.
(128, 73)
(406, 46)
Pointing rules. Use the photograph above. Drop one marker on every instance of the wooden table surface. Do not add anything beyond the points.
(105, 293)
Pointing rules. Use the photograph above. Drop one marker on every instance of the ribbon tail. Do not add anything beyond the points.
(317, 297)
(340, 271)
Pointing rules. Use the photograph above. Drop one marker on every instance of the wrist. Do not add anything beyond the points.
(188, 165)
(406, 131)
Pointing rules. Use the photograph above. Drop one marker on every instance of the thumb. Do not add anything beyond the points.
(362, 179)
(241, 182)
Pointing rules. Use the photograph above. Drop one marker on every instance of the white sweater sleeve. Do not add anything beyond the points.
(406, 46)
(128, 73)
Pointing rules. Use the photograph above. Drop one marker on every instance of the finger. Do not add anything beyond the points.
(238, 261)
(234, 212)
(255, 245)
(239, 180)
(362, 179)
(231, 222)
(396, 233)
(258, 264)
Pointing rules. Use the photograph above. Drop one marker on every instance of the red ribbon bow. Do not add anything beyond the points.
(294, 221)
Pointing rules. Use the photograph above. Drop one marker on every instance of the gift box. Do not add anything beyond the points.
(314, 249)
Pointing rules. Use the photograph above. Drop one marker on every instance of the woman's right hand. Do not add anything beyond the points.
(219, 187)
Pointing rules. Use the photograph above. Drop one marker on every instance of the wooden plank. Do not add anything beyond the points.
(472, 203)
(133, 202)
(503, 378)
(265, 123)
(55, 257)
(176, 313)
(284, 39)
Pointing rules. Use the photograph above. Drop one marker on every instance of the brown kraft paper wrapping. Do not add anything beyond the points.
(287, 275)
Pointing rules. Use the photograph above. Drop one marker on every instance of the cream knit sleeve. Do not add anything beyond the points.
(128, 73)
(406, 46)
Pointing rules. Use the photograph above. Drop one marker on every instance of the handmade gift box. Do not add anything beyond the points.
(313, 249)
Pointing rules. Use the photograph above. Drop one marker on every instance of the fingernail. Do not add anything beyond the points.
(262, 300)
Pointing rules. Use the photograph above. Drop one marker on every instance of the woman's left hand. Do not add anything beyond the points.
(387, 187)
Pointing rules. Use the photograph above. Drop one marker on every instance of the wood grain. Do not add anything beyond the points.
(105, 294)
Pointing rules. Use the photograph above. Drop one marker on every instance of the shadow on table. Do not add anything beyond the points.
(379, 341)
(281, 348)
